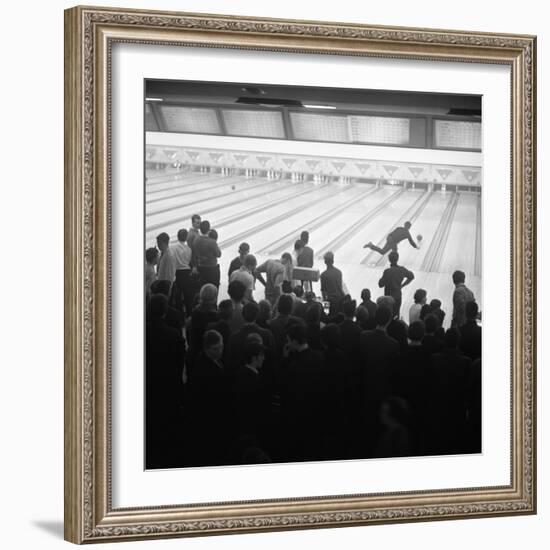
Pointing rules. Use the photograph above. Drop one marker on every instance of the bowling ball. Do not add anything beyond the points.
(233, 187)
(419, 238)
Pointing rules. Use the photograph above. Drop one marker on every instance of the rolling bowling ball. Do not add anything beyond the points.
(419, 238)
(233, 187)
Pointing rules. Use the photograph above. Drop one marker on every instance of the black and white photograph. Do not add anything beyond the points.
(313, 274)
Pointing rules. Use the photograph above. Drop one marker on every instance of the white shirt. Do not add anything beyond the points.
(414, 313)
(182, 255)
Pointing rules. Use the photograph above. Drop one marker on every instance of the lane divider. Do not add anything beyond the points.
(439, 240)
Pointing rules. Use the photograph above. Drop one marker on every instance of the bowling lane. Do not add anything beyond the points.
(318, 199)
(216, 200)
(426, 226)
(460, 248)
(307, 209)
(206, 192)
(218, 209)
(167, 188)
(352, 250)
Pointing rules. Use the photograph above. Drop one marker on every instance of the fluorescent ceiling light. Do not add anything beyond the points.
(319, 106)
(154, 99)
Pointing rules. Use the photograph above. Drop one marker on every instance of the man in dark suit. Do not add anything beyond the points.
(431, 342)
(306, 256)
(303, 395)
(250, 392)
(332, 285)
(237, 340)
(164, 360)
(173, 318)
(209, 403)
(278, 325)
(223, 326)
(394, 279)
(379, 354)
(396, 329)
(412, 382)
(470, 333)
(370, 307)
(451, 374)
(350, 333)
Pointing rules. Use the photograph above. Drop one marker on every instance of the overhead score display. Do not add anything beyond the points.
(190, 119)
(378, 129)
(316, 127)
(455, 134)
(267, 124)
(334, 127)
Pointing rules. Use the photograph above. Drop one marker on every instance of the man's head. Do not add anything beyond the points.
(393, 257)
(212, 344)
(161, 286)
(225, 309)
(182, 235)
(348, 308)
(298, 290)
(329, 258)
(195, 221)
(407, 225)
(250, 312)
(236, 291)
(420, 296)
(416, 332)
(152, 255)
(431, 324)
(313, 314)
(213, 234)
(204, 227)
(386, 301)
(264, 312)
(459, 277)
(298, 246)
(286, 259)
(286, 287)
(157, 306)
(296, 334)
(163, 240)
(284, 304)
(253, 354)
(310, 296)
(471, 310)
(250, 262)
(244, 249)
(208, 294)
(382, 317)
(365, 294)
(330, 336)
(304, 237)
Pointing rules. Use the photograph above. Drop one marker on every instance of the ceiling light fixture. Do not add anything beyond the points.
(319, 106)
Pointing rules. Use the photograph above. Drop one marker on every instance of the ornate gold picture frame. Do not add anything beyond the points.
(90, 35)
